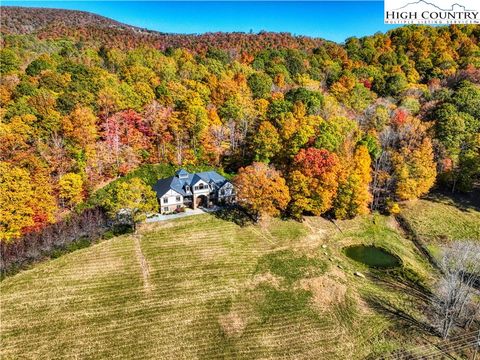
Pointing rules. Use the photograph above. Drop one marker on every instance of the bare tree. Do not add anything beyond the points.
(382, 182)
(455, 291)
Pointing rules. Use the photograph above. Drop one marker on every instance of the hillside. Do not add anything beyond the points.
(99, 30)
(202, 287)
(27, 20)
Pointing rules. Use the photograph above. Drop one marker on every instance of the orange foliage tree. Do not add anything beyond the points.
(261, 190)
(313, 183)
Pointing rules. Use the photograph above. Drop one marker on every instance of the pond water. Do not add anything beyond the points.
(372, 256)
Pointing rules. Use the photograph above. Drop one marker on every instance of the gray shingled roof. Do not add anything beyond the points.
(162, 186)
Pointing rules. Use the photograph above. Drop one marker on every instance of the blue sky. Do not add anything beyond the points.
(333, 20)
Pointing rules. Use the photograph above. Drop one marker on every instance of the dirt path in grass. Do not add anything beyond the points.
(143, 264)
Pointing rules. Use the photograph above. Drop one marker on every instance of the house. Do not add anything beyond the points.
(193, 190)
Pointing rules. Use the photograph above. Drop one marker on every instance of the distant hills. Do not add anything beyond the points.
(26, 20)
(100, 30)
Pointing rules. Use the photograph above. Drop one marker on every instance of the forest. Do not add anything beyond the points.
(307, 126)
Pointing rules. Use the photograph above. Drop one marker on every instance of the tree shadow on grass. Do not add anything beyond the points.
(393, 312)
(400, 280)
(462, 201)
(420, 298)
(235, 214)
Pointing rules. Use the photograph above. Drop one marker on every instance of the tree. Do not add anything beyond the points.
(313, 182)
(38, 65)
(16, 192)
(71, 189)
(313, 100)
(130, 202)
(296, 129)
(458, 133)
(353, 197)
(9, 61)
(415, 170)
(80, 128)
(261, 190)
(395, 84)
(333, 132)
(460, 264)
(467, 98)
(266, 142)
(260, 84)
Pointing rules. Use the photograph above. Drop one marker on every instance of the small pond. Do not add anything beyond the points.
(372, 256)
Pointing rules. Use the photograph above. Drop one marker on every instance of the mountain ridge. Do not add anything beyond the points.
(89, 27)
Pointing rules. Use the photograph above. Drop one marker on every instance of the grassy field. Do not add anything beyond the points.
(440, 219)
(205, 288)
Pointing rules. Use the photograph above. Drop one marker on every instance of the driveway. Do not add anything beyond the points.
(188, 212)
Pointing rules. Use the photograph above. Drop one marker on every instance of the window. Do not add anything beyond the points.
(222, 192)
(200, 186)
(187, 188)
(178, 198)
(165, 209)
(165, 200)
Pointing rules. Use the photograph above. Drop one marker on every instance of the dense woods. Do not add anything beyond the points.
(341, 129)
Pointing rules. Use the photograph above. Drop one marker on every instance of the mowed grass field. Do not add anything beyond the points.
(205, 288)
(440, 219)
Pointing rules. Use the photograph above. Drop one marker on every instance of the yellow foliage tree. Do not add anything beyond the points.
(71, 189)
(80, 127)
(131, 200)
(266, 142)
(415, 170)
(353, 197)
(16, 193)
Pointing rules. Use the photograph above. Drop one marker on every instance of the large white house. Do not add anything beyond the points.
(193, 190)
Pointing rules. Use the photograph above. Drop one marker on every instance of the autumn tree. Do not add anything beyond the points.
(405, 167)
(296, 129)
(130, 201)
(261, 190)
(260, 84)
(80, 127)
(71, 189)
(313, 182)
(16, 192)
(414, 170)
(353, 197)
(458, 131)
(9, 61)
(266, 143)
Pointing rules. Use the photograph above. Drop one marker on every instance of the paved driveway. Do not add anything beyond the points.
(188, 212)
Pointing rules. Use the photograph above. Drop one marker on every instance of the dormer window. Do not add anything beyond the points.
(182, 174)
(187, 187)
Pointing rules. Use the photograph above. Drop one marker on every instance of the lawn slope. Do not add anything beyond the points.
(439, 218)
(203, 288)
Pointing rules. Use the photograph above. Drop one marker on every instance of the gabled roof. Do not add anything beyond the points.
(162, 186)
(183, 177)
